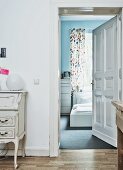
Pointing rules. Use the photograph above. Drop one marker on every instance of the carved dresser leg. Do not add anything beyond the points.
(23, 146)
(16, 152)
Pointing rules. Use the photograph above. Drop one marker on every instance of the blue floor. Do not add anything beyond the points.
(79, 138)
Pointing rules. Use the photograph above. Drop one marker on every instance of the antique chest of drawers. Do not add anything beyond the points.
(12, 119)
(65, 96)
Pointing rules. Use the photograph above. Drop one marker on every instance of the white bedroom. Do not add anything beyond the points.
(77, 82)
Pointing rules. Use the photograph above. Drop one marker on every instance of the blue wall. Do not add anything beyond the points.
(89, 25)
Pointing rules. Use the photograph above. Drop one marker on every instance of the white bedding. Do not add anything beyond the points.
(83, 107)
(82, 97)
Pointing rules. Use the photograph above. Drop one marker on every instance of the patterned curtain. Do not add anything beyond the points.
(77, 59)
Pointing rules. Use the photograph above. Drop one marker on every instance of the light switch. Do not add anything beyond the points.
(36, 81)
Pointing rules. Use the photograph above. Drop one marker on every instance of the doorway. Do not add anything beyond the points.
(76, 96)
(55, 103)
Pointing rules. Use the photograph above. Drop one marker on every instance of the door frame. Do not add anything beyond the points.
(54, 72)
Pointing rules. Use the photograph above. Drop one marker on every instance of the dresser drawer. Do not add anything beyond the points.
(7, 132)
(7, 120)
(65, 109)
(66, 103)
(66, 89)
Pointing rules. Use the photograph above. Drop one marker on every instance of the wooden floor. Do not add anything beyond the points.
(68, 160)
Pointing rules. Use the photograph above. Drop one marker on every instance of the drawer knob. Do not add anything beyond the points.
(3, 121)
(3, 133)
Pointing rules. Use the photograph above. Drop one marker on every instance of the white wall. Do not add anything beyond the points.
(24, 31)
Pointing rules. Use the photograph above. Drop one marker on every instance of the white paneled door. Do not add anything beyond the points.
(105, 78)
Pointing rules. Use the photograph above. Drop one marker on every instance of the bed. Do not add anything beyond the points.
(81, 113)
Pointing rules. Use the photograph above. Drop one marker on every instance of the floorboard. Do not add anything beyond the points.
(67, 160)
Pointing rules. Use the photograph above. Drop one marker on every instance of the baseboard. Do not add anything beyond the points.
(11, 152)
(31, 151)
(36, 151)
(105, 138)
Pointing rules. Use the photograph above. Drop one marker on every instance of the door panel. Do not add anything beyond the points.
(98, 110)
(105, 76)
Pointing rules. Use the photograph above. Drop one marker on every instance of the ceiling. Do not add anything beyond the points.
(85, 17)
